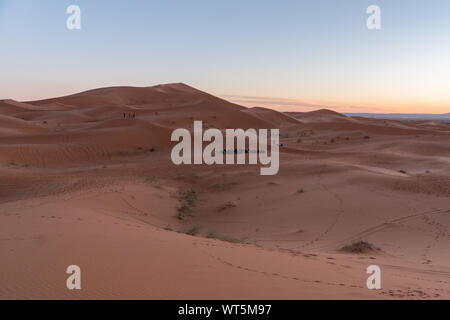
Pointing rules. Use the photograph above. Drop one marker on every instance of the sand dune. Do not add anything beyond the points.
(10, 126)
(275, 118)
(162, 95)
(11, 107)
(80, 184)
(320, 115)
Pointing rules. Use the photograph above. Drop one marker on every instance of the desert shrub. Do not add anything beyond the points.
(193, 231)
(187, 196)
(183, 212)
(360, 247)
(214, 235)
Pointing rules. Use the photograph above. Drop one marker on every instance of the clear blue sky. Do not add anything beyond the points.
(279, 53)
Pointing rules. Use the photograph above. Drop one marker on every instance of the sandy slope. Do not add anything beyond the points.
(81, 185)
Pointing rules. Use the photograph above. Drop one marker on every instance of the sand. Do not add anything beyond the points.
(82, 186)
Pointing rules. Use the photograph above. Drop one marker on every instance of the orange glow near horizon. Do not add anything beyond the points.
(350, 106)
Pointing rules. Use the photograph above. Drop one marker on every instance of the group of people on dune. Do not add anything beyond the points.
(130, 115)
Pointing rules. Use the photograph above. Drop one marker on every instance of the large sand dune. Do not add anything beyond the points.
(80, 184)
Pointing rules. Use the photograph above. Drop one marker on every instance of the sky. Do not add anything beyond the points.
(284, 54)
